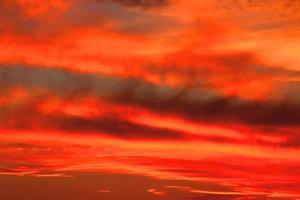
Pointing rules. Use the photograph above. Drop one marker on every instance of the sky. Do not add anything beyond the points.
(150, 99)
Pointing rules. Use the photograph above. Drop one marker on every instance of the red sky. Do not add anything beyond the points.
(150, 99)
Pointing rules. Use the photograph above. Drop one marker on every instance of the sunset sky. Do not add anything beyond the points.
(150, 99)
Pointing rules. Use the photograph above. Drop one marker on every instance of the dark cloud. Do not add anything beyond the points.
(110, 124)
(224, 109)
(18, 117)
(53, 22)
(115, 127)
(191, 103)
(293, 141)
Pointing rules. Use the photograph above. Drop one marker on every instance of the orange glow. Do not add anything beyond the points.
(149, 99)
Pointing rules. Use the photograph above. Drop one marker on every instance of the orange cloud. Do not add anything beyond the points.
(176, 90)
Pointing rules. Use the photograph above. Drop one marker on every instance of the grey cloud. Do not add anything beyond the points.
(192, 103)
(84, 14)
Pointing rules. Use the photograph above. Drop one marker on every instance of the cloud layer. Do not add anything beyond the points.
(200, 95)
